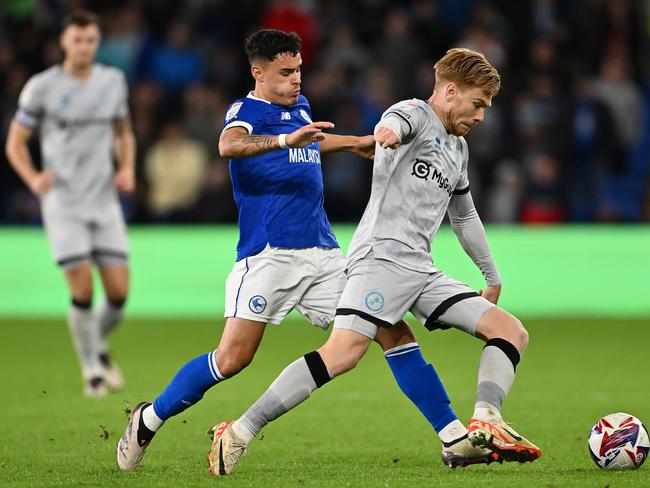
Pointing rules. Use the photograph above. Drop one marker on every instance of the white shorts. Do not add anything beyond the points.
(74, 239)
(267, 286)
(378, 293)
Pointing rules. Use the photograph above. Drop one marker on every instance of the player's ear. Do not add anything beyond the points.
(451, 91)
(258, 74)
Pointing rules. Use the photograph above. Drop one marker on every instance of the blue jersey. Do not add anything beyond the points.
(279, 194)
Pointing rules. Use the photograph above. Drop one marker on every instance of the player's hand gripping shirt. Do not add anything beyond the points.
(75, 121)
(279, 194)
(411, 189)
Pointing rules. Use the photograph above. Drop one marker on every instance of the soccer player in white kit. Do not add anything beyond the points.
(420, 172)
(79, 110)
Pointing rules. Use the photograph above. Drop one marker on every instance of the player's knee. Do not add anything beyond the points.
(342, 365)
(522, 336)
(349, 362)
(232, 362)
(82, 294)
(117, 292)
(343, 350)
(116, 301)
(516, 333)
(497, 323)
(338, 362)
(395, 336)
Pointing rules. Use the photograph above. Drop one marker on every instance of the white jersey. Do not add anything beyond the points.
(75, 121)
(411, 189)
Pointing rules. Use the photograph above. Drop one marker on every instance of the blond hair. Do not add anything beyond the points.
(469, 68)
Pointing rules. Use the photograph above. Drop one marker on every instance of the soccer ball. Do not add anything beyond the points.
(619, 441)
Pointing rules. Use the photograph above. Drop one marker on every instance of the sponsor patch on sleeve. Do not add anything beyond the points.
(232, 111)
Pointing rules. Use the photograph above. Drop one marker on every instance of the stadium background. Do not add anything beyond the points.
(566, 142)
(559, 173)
(567, 139)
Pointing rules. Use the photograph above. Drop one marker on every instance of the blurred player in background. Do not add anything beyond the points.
(420, 172)
(287, 256)
(80, 111)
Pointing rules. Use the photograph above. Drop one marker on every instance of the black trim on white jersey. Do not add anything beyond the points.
(110, 253)
(432, 322)
(72, 259)
(405, 120)
(461, 191)
(365, 316)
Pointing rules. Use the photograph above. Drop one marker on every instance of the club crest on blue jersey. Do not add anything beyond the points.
(374, 301)
(257, 304)
(305, 116)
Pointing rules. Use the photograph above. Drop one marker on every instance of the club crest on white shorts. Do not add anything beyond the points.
(374, 301)
(257, 304)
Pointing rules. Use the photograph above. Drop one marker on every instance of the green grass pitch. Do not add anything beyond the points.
(358, 431)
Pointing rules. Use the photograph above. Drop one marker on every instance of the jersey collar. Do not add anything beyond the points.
(250, 95)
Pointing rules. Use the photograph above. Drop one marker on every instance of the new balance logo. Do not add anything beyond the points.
(285, 116)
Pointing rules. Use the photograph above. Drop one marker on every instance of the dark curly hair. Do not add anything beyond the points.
(268, 43)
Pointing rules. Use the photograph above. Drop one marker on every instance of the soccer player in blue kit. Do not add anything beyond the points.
(287, 255)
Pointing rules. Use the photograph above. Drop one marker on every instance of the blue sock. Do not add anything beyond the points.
(420, 382)
(188, 386)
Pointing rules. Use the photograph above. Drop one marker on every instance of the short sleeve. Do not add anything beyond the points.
(243, 114)
(463, 182)
(410, 115)
(30, 104)
(123, 103)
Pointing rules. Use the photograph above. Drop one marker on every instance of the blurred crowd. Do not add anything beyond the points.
(566, 140)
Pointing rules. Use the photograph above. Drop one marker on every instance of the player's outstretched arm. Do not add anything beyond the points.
(399, 125)
(39, 182)
(469, 229)
(387, 137)
(236, 142)
(363, 146)
(125, 154)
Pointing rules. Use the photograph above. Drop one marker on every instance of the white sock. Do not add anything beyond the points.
(151, 420)
(107, 318)
(487, 413)
(452, 431)
(85, 337)
(242, 431)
